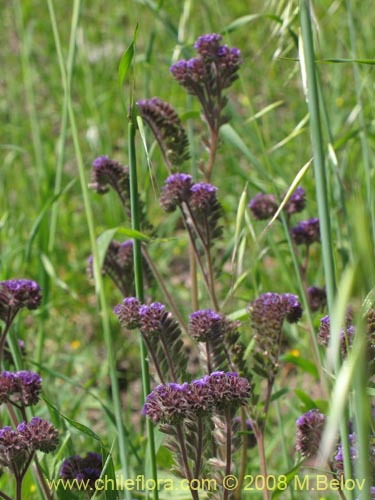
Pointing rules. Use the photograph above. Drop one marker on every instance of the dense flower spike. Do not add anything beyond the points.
(87, 468)
(175, 191)
(229, 390)
(17, 446)
(267, 314)
(171, 403)
(14, 450)
(167, 403)
(306, 232)
(128, 313)
(263, 206)
(39, 434)
(296, 202)
(317, 298)
(167, 129)
(309, 432)
(206, 210)
(21, 388)
(205, 325)
(151, 317)
(213, 69)
(16, 294)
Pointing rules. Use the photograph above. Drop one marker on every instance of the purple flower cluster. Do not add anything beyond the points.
(306, 232)
(175, 191)
(205, 325)
(309, 432)
(16, 294)
(20, 388)
(87, 468)
(128, 313)
(180, 188)
(17, 446)
(213, 69)
(172, 403)
(264, 206)
(267, 314)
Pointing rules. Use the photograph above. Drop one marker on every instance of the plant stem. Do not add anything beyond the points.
(193, 278)
(262, 458)
(198, 462)
(228, 449)
(5, 496)
(138, 276)
(241, 476)
(181, 439)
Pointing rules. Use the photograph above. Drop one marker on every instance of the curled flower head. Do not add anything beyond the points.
(263, 206)
(168, 403)
(16, 294)
(205, 325)
(317, 298)
(128, 313)
(296, 202)
(87, 468)
(108, 173)
(39, 434)
(14, 450)
(167, 129)
(175, 191)
(309, 432)
(151, 317)
(306, 232)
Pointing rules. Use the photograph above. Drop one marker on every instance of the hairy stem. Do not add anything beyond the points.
(241, 476)
(228, 449)
(181, 439)
(262, 459)
(198, 463)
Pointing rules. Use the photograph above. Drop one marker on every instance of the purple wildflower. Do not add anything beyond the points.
(14, 450)
(205, 325)
(168, 403)
(208, 45)
(20, 387)
(263, 206)
(229, 390)
(128, 313)
(87, 468)
(175, 191)
(338, 460)
(309, 432)
(151, 317)
(16, 294)
(306, 232)
(39, 434)
(296, 202)
(293, 308)
(202, 196)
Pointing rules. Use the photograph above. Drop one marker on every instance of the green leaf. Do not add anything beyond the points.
(307, 365)
(77, 425)
(127, 59)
